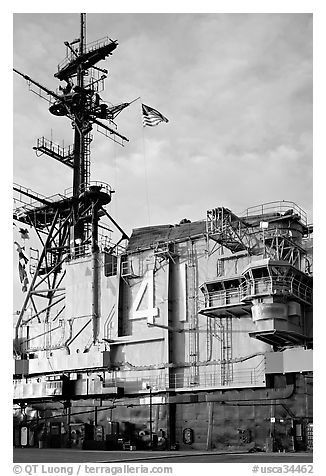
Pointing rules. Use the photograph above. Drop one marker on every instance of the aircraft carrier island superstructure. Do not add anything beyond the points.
(192, 335)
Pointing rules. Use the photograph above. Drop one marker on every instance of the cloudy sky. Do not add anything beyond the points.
(236, 88)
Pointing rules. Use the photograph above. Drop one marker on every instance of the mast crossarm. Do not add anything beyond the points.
(30, 80)
(112, 131)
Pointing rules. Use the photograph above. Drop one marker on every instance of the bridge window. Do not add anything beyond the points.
(260, 273)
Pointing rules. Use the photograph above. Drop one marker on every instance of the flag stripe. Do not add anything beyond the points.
(152, 117)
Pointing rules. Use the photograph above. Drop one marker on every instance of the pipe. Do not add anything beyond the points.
(150, 417)
(95, 273)
(41, 291)
(95, 296)
(65, 344)
(209, 426)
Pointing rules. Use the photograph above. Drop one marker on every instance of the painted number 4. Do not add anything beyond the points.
(143, 306)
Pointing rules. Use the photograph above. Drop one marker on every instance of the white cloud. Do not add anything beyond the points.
(237, 90)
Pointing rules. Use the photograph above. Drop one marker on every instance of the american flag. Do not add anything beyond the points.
(152, 117)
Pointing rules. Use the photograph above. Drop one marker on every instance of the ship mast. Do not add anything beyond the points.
(79, 157)
(70, 223)
(82, 139)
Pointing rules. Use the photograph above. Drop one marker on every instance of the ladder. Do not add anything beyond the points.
(87, 158)
(192, 313)
(226, 350)
(86, 179)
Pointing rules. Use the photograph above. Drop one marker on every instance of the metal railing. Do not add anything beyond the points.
(83, 250)
(97, 44)
(277, 285)
(276, 207)
(224, 297)
(94, 45)
(247, 377)
(104, 187)
(284, 285)
(79, 251)
(29, 204)
(206, 379)
(64, 152)
(27, 200)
